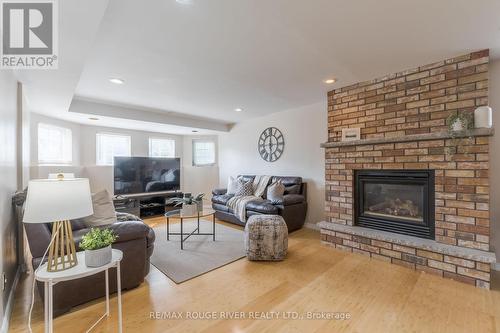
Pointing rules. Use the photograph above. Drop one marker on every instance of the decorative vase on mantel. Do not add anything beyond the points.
(483, 117)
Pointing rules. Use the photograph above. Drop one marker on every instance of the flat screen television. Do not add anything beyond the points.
(146, 174)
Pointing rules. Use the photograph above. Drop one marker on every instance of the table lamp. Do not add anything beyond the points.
(58, 201)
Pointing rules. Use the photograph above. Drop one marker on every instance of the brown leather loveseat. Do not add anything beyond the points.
(135, 239)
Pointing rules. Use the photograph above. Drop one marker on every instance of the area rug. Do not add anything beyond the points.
(200, 255)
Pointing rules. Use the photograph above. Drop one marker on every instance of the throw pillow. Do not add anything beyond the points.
(232, 185)
(244, 188)
(104, 210)
(275, 192)
(293, 189)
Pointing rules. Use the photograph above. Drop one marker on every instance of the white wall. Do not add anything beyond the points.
(8, 180)
(494, 100)
(102, 176)
(304, 130)
(199, 179)
(42, 171)
(194, 179)
(24, 139)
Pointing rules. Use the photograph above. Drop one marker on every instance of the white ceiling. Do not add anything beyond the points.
(207, 58)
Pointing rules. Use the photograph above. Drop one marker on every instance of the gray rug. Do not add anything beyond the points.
(200, 255)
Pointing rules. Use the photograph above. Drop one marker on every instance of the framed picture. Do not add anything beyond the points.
(351, 134)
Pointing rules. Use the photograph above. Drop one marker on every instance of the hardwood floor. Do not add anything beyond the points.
(379, 297)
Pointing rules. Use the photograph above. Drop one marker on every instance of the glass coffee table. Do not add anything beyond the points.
(176, 214)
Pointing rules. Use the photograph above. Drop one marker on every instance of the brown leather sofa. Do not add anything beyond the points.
(135, 239)
(293, 208)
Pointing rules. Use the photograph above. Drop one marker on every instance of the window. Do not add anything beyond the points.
(203, 152)
(109, 146)
(54, 144)
(161, 147)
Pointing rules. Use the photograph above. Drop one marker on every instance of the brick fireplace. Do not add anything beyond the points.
(444, 225)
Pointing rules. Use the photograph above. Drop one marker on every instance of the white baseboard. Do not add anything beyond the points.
(10, 302)
(313, 226)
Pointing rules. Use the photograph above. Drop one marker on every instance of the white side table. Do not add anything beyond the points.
(77, 272)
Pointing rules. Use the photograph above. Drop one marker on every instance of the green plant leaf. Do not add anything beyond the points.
(98, 238)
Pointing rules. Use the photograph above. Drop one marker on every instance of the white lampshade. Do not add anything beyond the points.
(51, 200)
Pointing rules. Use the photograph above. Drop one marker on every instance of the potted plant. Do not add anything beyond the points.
(190, 204)
(460, 127)
(97, 245)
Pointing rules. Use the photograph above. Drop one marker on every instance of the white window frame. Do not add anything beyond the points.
(66, 146)
(151, 139)
(195, 141)
(98, 148)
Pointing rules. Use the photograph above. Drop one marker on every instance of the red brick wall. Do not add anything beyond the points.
(414, 102)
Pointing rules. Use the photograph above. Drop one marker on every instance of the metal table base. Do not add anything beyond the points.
(195, 232)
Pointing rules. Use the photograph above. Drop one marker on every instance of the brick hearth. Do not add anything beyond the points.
(413, 105)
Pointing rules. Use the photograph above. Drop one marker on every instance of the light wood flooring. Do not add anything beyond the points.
(379, 297)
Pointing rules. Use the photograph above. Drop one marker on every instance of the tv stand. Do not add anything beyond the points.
(145, 204)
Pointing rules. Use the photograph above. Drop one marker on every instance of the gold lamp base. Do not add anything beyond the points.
(62, 253)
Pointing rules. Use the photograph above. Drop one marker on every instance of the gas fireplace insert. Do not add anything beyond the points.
(400, 201)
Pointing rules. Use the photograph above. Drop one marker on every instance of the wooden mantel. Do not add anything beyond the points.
(416, 137)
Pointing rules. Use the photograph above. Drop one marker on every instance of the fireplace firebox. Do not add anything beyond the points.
(400, 201)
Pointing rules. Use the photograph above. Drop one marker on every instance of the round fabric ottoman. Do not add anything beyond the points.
(266, 237)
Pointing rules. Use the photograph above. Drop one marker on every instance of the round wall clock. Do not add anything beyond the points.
(271, 144)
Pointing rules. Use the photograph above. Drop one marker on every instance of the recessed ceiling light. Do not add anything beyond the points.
(238, 109)
(116, 80)
(184, 2)
(330, 81)
(93, 118)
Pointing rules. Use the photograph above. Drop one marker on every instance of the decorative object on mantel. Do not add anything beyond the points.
(58, 200)
(483, 117)
(97, 245)
(190, 205)
(351, 134)
(460, 121)
(460, 127)
(271, 144)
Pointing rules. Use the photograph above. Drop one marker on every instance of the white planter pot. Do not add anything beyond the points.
(189, 209)
(483, 117)
(98, 258)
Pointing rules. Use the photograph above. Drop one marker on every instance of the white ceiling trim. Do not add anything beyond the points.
(82, 106)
